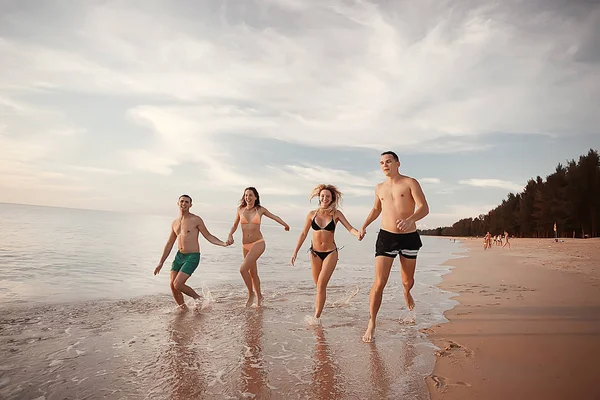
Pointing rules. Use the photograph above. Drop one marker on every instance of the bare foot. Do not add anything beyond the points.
(312, 321)
(259, 302)
(181, 308)
(250, 299)
(370, 333)
(410, 302)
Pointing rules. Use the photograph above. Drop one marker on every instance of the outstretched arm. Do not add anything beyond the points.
(276, 219)
(208, 236)
(233, 228)
(375, 211)
(421, 207)
(302, 237)
(166, 250)
(346, 224)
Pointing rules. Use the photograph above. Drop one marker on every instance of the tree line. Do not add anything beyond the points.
(569, 197)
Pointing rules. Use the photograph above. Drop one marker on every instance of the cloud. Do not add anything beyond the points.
(180, 137)
(95, 170)
(493, 183)
(173, 95)
(151, 162)
(32, 137)
(453, 213)
(390, 74)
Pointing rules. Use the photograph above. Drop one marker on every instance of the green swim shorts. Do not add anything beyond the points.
(186, 262)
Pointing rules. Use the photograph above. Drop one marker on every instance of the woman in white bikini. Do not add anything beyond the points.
(324, 252)
(249, 214)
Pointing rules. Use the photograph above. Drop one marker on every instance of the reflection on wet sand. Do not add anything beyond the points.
(379, 375)
(326, 377)
(253, 374)
(138, 350)
(185, 363)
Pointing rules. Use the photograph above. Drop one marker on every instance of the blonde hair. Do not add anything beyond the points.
(336, 197)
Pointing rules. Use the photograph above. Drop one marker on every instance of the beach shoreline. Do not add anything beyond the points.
(527, 325)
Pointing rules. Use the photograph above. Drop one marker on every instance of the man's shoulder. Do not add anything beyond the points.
(409, 179)
(196, 217)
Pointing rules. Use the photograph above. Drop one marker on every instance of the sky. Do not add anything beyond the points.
(125, 105)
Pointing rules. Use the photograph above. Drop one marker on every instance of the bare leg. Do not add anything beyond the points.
(256, 283)
(180, 285)
(249, 271)
(247, 279)
(328, 265)
(177, 295)
(316, 264)
(383, 266)
(408, 279)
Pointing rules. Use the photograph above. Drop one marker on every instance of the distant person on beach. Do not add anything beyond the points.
(185, 231)
(249, 214)
(506, 242)
(487, 241)
(324, 252)
(402, 203)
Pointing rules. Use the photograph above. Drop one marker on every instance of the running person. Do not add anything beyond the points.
(324, 252)
(401, 203)
(249, 214)
(185, 230)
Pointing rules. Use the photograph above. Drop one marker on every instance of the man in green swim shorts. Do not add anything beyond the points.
(185, 231)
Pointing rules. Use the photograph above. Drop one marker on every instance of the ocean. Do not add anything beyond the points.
(84, 317)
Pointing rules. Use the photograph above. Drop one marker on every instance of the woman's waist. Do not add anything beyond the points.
(251, 238)
(323, 245)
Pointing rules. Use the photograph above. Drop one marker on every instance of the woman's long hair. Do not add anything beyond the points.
(243, 200)
(336, 197)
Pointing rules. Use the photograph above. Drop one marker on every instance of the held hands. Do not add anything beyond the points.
(229, 241)
(361, 234)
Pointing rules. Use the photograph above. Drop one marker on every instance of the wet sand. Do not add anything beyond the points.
(143, 349)
(527, 326)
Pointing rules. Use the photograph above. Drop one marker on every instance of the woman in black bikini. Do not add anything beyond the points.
(324, 254)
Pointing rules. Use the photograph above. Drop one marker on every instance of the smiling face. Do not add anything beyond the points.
(389, 165)
(184, 203)
(249, 197)
(325, 198)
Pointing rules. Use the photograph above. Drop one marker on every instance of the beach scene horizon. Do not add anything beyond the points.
(90, 318)
(296, 199)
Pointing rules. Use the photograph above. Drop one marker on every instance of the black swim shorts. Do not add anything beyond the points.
(391, 244)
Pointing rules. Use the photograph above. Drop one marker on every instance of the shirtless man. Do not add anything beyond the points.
(185, 230)
(402, 203)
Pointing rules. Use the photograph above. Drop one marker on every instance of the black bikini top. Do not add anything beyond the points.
(329, 227)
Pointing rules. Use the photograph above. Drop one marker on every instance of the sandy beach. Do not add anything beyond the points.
(527, 326)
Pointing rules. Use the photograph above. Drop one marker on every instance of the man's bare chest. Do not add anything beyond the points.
(394, 195)
(184, 228)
